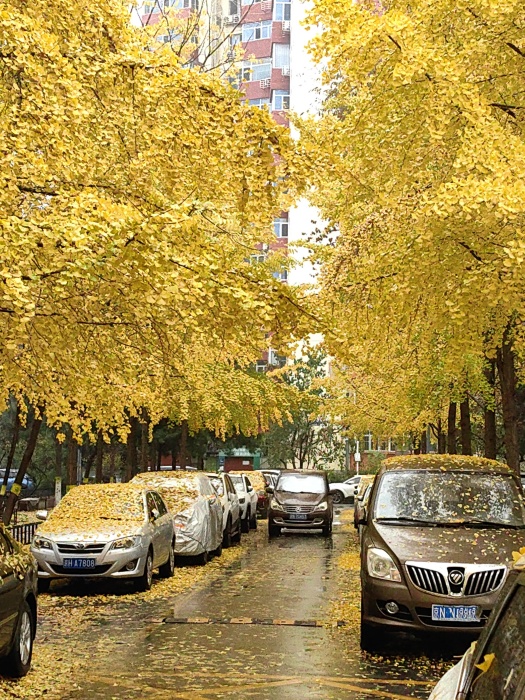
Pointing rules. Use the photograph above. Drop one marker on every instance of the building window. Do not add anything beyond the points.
(282, 275)
(281, 100)
(256, 70)
(281, 55)
(260, 366)
(257, 30)
(280, 226)
(235, 39)
(262, 102)
(368, 442)
(282, 10)
(255, 259)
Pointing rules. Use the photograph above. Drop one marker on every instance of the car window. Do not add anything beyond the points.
(238, 482)
(160, 504)
(229, 484)
(217, 484)
(150, 503)
(505, 675)
(450, 498)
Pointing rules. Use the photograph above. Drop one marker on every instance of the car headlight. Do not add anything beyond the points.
(126, 543)
(42, 543)
(321, 506)
(275, 505)
(381, 565)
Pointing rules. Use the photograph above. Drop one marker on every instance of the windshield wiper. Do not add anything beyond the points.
(405, 519)
(487, 524)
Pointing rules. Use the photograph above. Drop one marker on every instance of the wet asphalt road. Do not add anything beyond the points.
(286, 579)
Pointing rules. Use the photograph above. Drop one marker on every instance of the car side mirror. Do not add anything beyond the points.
(250, 489)
(269, 489)
(41, 514)
(155, 515)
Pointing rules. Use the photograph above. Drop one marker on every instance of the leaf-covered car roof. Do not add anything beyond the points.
(445, 463)
(257, 480)
(179, 489)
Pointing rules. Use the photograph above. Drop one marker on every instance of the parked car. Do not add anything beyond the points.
(247, 500)
(231, 512)
(437, 538)
(18, 607)
(28, 485)
(503, 641)
(362, 497)
(301, 500)
(345, 490)
(195, 508)
(259, 484)
(271, 476)
(106, 530)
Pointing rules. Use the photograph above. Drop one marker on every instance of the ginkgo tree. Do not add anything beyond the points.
(134, 192)
(419, 160)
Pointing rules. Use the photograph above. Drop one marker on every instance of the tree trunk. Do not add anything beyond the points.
(423, 440)
(10, 457)
(72, 448)
(507, 378)
(14, 493)
(466, 430)
(441, 438)
(451, 428)
(183, 444)
(144, 446)
(490, 433)
(89, 463)
(112, 460)
(99, 459)
(131, 449)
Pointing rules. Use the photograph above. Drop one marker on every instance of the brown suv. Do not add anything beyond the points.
(301, 500)
(437, 540)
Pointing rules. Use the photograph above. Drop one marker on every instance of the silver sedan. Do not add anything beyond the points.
(106, 530)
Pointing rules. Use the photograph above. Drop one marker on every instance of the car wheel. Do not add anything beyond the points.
(227, 535)
(327, 529)
(203, 559)
(274, 530)
(253, 521)
(238, 535)
(245, 523)
(43, 585)
(167, 569)
(18, 661)
(143, 583)
(337, 496)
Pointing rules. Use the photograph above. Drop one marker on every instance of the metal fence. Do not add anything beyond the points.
(24, 533)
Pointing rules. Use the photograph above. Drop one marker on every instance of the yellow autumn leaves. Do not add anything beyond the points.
(133, 192)
(419, 162)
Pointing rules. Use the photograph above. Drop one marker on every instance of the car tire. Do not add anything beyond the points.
(143, 583)
(327, 529)
(370, 637)
(245, 523)
(18, 662)
(167, 569)
(238, 535)
(227, 535)
(43, 585)
(337, 496)
(274, 530)
(253, 521)
(203, 559)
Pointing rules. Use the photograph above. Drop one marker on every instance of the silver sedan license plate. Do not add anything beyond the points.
(79, 563)
(455, 613)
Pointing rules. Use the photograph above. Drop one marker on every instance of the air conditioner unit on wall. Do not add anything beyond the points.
(285, 70)
(231, 19)
(264, 84)
(266, 5)
(286, 25)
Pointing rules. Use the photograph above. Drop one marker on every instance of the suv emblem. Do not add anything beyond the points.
(80, 545)
(456, 577)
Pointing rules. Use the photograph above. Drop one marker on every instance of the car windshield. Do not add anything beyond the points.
(449, 498)
(301, 483)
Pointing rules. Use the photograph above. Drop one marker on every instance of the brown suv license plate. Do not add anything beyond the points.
(298, 516)
(455, 613)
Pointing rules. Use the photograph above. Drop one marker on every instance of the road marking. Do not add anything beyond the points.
(250, 621)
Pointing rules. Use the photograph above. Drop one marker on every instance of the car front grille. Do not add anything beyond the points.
(79, 548)
(96, 570)
(427, 579)
(482, 582)
(298, 509)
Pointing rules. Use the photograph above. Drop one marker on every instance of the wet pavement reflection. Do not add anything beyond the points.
(220, 642)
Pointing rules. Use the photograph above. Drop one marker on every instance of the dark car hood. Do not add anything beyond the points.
(454, 545)
(299, 499)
